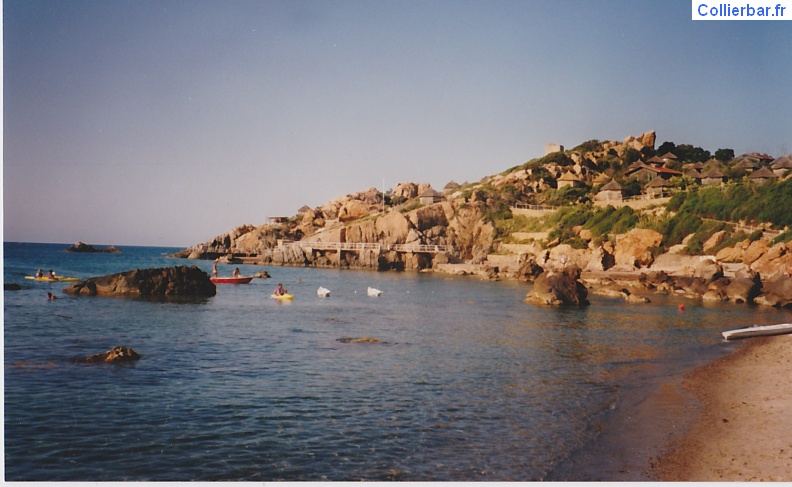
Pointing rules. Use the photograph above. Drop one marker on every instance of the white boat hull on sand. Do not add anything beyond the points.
(758, 330)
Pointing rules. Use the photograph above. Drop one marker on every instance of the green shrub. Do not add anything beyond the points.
(678, 227)
(783, 238)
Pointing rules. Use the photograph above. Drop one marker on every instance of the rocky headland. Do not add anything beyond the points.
(484, 229)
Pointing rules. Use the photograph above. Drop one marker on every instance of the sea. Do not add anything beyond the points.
(457, 379)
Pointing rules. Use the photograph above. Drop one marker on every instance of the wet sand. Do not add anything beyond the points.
(743, 429)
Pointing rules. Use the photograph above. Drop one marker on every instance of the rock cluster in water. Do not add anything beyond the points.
(83, 247)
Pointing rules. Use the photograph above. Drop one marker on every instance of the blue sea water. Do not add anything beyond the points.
(466, 383)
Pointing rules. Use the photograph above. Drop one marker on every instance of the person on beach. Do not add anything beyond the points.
(236, 272)
(214, 266)
(280, 291)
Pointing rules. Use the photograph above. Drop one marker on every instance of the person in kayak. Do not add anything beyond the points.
(214, 266)
(39, 273)
(236, 272)
(52, 275)
(280, 291)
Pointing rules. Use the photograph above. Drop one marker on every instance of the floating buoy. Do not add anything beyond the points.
(681, 307)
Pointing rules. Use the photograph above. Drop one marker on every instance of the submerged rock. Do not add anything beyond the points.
(116, 355)
(359, 340)
(163, 282)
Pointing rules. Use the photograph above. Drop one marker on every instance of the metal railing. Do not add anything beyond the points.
(360, 246)
(426, 248)
(526, 206)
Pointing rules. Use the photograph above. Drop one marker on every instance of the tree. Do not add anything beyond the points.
(724, 154)
(666, 147)
(686, 152)
(631, 155)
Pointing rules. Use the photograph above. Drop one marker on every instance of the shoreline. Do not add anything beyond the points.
(740, 429)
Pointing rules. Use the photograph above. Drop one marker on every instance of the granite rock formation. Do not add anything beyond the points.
(163, 282)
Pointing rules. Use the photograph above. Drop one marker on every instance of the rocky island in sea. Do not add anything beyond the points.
(634, 219)
(84, 247)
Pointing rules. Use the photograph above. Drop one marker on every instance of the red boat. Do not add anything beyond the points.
(231, 280)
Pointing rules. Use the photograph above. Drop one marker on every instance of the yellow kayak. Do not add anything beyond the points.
(282, 297)
(49, 279)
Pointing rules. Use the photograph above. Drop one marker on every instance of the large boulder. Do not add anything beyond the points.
(559, 288)
(163, 282)
(634, 249)
(392, 228)
(708, 270)
(737, 290)
(776, 291)
(353, 210)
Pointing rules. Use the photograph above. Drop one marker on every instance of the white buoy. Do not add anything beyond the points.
(374, 292)
(323, 292)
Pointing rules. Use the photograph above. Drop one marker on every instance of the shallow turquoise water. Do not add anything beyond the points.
(467, 383)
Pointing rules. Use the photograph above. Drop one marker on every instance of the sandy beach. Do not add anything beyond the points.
(743, 431)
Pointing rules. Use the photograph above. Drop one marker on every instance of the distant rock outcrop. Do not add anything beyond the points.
(83, 247)
(163, 282)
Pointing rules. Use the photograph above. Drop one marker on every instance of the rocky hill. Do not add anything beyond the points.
(604, 207)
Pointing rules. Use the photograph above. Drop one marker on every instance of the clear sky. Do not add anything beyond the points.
(168, 122)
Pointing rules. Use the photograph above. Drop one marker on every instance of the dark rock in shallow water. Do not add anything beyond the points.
(163, 282)
(559, 288)
(777, 292)
(117, 355)
(11, 286)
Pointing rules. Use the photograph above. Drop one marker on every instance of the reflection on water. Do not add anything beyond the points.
(466, 382)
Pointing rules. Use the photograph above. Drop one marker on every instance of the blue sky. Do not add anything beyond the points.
(169, 122)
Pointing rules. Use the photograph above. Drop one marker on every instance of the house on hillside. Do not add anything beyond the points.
(762, 158)
(657, 188)
(781, 165)
(747, 164)
(713, 176)
(612, 191)
(601, 179)
(451, 186)
(693, 174)
(761, 176)
(430, 197)
(646, 173)
(303, 209)
(569, 179)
